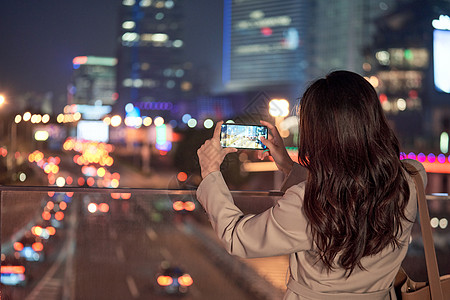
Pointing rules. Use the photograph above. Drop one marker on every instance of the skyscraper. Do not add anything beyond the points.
(151, 70)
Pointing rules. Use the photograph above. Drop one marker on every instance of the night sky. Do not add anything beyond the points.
(39, 39)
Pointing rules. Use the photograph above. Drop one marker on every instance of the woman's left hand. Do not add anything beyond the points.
(211, 153)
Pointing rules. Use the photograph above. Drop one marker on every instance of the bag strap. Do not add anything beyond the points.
(428, 243)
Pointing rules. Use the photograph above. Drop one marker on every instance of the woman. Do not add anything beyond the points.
(347, 226)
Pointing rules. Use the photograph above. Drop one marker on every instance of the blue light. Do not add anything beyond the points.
(186, 118)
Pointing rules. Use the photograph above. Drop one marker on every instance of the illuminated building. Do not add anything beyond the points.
(405, 68)
(94, 79)
(264, 43)
(151, 69)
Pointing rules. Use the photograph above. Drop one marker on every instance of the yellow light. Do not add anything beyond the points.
(60, 181)
(116, 121)
(159, 121)
(77, 116)
(18, 118)
(107, 120)
(41, 135)
(2, 99)
(45, 118)
(60, 118)
(147, 121)
(27, 116)
(101, 172)
(279, 108)
(114, 183)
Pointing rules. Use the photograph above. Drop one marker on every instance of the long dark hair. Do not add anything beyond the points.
(356, 192)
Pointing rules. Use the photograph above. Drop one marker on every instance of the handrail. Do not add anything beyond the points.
(150, 191)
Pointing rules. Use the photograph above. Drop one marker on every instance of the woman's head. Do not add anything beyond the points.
(341, 120)
(355, 179)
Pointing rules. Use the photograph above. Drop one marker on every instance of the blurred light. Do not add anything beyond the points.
(401, 104)
(2, 99)
(46, 215)
(60, 118)
(18, 118)
(229, 122)
(185, 118)
(185, 280)
(434, 222)
(27, 116)
(103, 207)
(192, 123)
(443, 23)
(208, 123)
(129, 107)
(45, 118)
(128, 25)
(189, 206)
(50, 205)
(18, 246)
(367, 67)
(107, 120)
(159, 121)
(164, 280)
(125, 196)
(60, 181)
(51, 230)
(41, 135)
(36, 230)
(69, 180)
(80, 181)
(160, 37)
(147, 121)
(182, 176)
(114, 183)
(59, 215)
(279, 108)
(116, 121)
(80, 60)
(62, 205)
(128, 2)
(92, 208)
(145, 3)
(443, 223)
(444, 141)
(37, 246)
(101, 172)
(22, 177)
(177, 43)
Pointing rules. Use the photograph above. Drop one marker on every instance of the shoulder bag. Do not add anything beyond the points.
(437, 288)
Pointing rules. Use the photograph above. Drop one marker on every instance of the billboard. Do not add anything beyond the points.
(264, 41)
(441, 60)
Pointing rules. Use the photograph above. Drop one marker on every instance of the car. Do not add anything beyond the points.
(173, 279)
(30, 247)
(13, 271)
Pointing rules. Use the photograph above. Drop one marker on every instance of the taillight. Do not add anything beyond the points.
(37, 246)
(18, 246)
(185, 280)
(164, 280)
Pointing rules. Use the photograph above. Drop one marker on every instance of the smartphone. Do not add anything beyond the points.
(243, 136)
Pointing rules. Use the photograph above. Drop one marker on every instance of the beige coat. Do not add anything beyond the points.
(283, 229)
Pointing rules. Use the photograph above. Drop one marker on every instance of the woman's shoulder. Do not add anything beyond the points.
(419, 167)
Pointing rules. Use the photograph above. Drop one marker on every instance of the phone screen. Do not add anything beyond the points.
(243, 136)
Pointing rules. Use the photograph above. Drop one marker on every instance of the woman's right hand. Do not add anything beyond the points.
(276, 149)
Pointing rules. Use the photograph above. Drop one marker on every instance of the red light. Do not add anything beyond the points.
(18, 246)
(383, 98)
(80, 181)
(46, 215)
(185, 280)
(162, 152)
(12, 269)
(178, 205)
(189, 206)
(63, 205)
(267, 31)
(115, 195)
(90, 181)
(80, 60)
(50, 205)
(69, 194)
(103, 207)
(125, 196)
(69, 180)
(164, 280)
(115, 96)
(59, 215)
(182, 176)
(51, 230)
(37, 246)
(51, 194)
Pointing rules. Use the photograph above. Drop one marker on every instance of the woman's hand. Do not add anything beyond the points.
(276, 149)
(211, 153)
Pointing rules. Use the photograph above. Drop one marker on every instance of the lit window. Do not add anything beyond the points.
(128, 2)
(128, 25)
(145, 3)
(177, 43)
